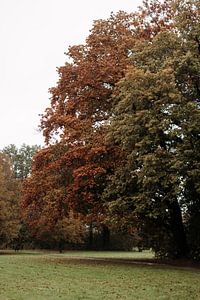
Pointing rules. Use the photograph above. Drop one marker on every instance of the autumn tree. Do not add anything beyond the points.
(20, 163)
(50, 218)
(156, 121)
(9, 208)
(78, 116)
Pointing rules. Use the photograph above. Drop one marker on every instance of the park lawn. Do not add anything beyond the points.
(145, 254)
(45, 276)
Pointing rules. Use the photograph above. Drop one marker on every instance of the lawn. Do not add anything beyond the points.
(109, 254)
(53, 276)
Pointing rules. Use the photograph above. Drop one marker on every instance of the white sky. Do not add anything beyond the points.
(34, 34)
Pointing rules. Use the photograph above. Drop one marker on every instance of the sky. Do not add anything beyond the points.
(34, 34)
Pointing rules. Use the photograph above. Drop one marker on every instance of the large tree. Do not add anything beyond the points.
(76, 121)
(156, 121)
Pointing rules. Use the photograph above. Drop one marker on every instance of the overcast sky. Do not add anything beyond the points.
(34, 36)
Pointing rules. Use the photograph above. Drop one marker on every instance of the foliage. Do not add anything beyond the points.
(122, 131)
(156, 121)
(21, 159)
(9, 197)
(72, 171)
(51, 221)
(68, 233)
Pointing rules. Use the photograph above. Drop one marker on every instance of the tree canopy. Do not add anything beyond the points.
(21, 159)
(122, 129)
(156, 121)
(9, 197)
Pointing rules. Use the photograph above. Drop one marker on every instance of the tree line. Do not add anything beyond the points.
(70, 232)
(15, 166)
(122, 134)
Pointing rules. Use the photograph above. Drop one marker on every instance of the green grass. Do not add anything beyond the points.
(108, 254)
(53, 276)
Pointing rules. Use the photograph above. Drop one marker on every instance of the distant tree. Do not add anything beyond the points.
(21, 159)
(9, 197)
(68, 232)
(43, 200)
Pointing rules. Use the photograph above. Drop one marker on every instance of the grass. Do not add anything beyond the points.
(52, 276)
(109, 254)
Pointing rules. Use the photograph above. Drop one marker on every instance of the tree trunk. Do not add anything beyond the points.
(61, 245)
(179, 236)
(105, 237)
(90, 240)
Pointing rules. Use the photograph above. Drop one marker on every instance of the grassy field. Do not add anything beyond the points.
(108, 254)
(53, 276)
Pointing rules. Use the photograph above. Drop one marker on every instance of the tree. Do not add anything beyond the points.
(189, 83)
(9, 196)
(156, 121)
(46, 183)
(51, 221)
(76, 121)
(21, 159)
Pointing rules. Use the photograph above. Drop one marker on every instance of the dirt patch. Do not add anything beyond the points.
(183, 264)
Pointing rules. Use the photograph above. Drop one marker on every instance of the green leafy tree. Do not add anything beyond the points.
(156, 121)
(21, 159)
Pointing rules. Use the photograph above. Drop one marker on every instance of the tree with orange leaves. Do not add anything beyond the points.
(76, 159)
(9, 205)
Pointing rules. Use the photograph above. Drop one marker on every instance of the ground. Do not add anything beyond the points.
(93, 275)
